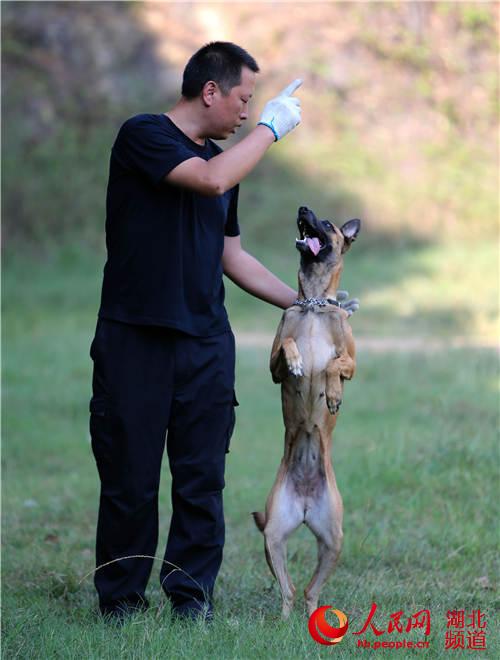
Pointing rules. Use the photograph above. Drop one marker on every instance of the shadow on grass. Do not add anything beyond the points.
(390, 272)
(53, 274)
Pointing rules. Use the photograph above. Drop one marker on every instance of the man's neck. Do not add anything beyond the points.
(185, 116)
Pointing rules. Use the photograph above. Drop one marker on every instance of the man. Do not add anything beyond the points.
(163, 350)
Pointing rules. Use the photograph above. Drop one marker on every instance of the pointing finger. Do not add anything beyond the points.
(288, 91)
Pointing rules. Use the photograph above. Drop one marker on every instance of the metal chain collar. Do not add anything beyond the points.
(318, 302)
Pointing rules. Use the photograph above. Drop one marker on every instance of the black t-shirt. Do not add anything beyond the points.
(164, 242)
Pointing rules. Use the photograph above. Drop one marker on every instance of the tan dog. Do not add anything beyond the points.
(312, 354)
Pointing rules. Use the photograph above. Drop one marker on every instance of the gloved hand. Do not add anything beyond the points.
(282, 114)
(350, 306)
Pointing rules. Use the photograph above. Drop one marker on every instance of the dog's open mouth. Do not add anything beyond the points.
(310, 238)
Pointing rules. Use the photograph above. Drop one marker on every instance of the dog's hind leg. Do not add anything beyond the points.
(325, 521)
(285, 515)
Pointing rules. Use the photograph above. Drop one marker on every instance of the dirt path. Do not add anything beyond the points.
(381, 344)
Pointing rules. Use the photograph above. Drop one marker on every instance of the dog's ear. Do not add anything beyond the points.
(350, 229)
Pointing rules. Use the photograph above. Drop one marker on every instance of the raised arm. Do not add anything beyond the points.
(219, 174)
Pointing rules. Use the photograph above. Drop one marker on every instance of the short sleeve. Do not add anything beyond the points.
(144, 146)
(232, 227)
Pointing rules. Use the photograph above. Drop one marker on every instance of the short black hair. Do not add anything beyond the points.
(220, 61)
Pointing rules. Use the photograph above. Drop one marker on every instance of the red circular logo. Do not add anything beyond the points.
(322, 632)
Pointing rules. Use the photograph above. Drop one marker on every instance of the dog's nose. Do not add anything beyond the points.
(303, 210)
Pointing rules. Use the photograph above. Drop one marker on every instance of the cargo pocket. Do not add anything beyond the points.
(99, 429)
(232, 421)
(97, 406)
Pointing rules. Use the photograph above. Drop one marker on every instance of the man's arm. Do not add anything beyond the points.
(249, 274)
(222, 172)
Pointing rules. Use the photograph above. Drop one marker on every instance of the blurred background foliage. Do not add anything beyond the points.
(400, 128)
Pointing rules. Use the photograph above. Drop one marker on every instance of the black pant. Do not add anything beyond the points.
(147, 380)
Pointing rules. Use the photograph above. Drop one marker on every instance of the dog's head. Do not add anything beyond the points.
(322, 245)
(321, 240)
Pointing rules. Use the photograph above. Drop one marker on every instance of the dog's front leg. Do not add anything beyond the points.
(337, 370)
(285, 359)
(293, 357)
(276, 364)
(341, 367)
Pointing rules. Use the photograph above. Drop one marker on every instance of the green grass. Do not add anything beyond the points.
(416, 446)
(412, 290)
(416, 460)
(404, 291)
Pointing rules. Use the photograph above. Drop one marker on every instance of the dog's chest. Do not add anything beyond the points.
(315, 343)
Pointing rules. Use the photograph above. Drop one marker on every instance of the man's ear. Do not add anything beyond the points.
(208, 92)
(350, 230)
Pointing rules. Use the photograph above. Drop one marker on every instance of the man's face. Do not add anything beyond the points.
(229, 112)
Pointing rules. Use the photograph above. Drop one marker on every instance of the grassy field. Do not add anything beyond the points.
(399, 129)
(416, 458)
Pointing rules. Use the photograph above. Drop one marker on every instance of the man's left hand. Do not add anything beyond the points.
(350, 306)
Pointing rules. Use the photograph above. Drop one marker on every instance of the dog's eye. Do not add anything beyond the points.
(327, 224)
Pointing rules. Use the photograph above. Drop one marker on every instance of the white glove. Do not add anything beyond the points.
(282, 114)
(350, 306)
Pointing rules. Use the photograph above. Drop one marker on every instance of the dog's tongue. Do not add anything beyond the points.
(314, 245)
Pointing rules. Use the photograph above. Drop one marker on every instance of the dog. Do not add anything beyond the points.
(312, 354)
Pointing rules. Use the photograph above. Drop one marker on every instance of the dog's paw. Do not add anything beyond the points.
(295, 366)
(333, 404)
(293, 358)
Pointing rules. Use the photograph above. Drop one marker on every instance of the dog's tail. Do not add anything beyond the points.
(260, 519)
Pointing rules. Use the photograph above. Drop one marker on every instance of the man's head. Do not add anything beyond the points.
(222, 76)
(219, 61)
